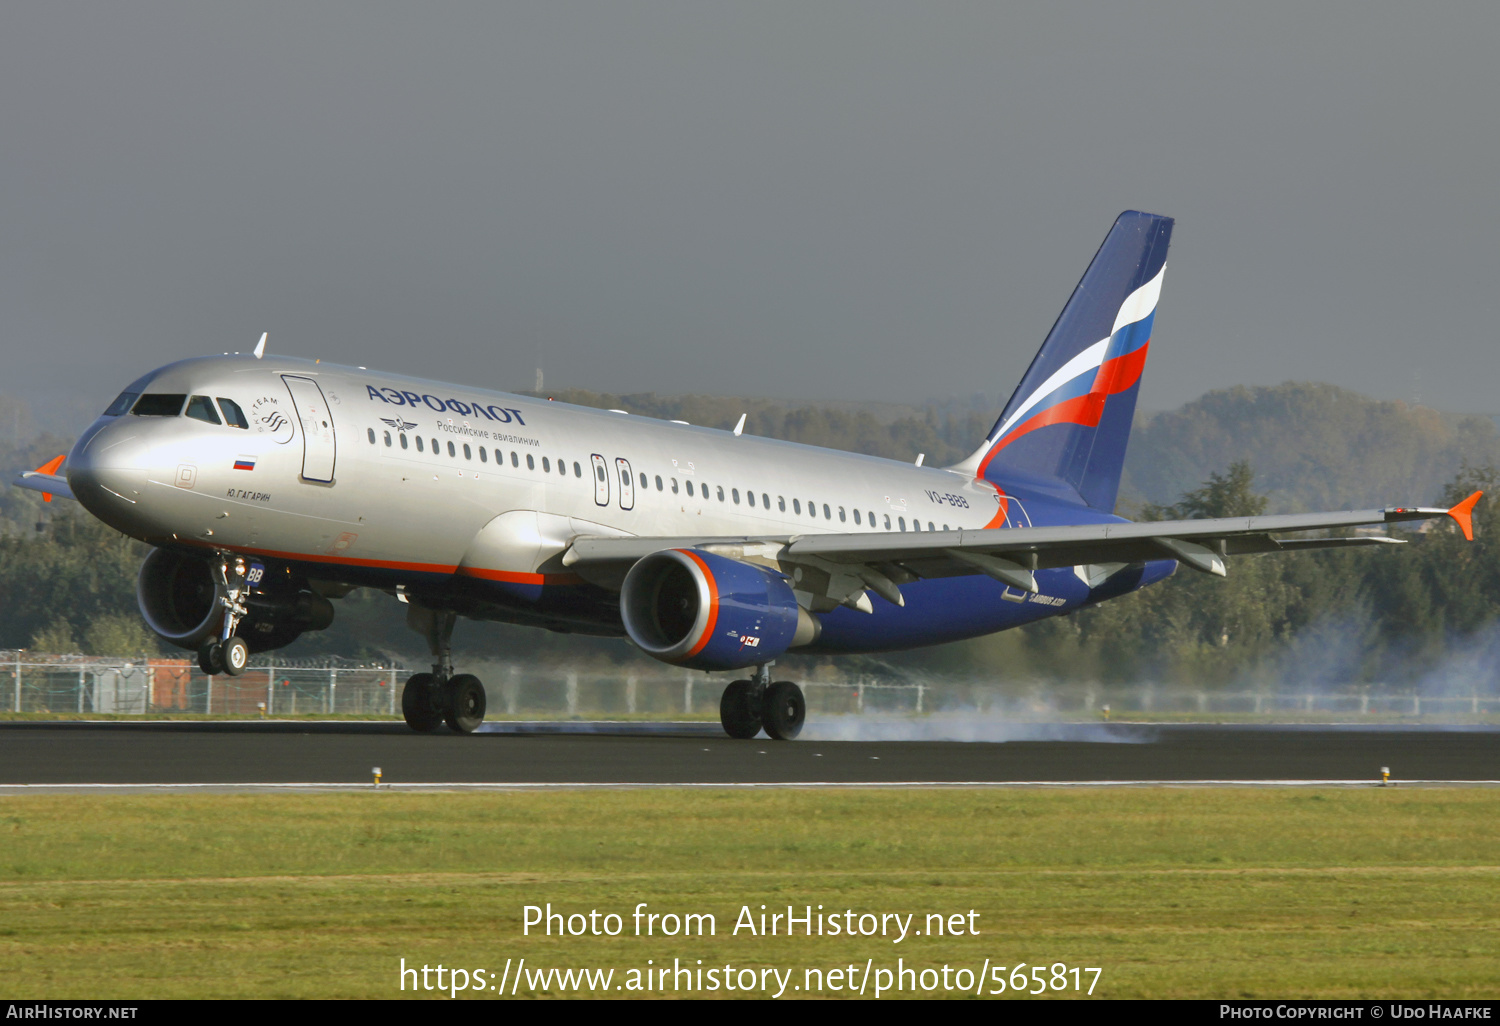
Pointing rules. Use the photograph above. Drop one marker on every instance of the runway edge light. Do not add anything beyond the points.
(376, 771)
(1385, 776)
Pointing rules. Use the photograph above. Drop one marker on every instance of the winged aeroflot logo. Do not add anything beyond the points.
(398, 423)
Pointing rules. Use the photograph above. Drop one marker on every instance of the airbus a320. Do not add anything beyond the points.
(270, 486)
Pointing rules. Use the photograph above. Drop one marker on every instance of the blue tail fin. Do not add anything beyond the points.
(1066, 427)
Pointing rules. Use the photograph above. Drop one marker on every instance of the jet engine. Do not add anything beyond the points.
(179, 599)
(709, 612)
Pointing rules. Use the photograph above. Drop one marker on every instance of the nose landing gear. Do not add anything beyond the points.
(228, 654)
(750, 705)
(440, 696)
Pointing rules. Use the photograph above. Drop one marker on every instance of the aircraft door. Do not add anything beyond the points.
(319, 447)
(627, 484)
(601, 480)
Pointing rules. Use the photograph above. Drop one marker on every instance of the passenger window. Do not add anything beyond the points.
(484, 457)
(577, 470)
(827, 515)
(887, 521)
(929, 526)
(902, 522)
(781, 503)
(690, 487)
(201, 407)
(599, 471)
(403, 440)
(468, 453)
(812, 508)
(872, 519)
(674, 486)
(233, 415)
(856, 516)
(750, 497)
(387, 439)
(371, 433)
(530, 462)
(159, 405)
(735, 492)
(945, 527)
(765, 500)
(515, 460)
(435, 447)
(796, 506)
(562, 468)
(658, 482)
(841, 514)
(451, 451)
(546, 465)
(419, 443)
(121, 404)
(916, 525)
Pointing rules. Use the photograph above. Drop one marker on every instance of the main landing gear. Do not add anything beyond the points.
(441, 696)
(750, 705)
(228, 654)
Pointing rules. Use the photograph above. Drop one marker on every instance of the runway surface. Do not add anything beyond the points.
(224, 753)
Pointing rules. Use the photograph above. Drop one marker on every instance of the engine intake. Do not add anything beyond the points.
(710, 612)
(179, 599)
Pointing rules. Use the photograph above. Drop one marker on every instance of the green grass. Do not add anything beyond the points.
(1173, 892)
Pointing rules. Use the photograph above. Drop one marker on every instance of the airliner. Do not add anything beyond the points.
(270, 486)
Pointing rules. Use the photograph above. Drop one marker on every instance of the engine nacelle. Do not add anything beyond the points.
(709, 612)
(179, 599)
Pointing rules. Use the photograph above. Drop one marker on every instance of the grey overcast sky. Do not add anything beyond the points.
(812, 200)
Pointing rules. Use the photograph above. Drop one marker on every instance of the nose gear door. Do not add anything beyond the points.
(318, 445)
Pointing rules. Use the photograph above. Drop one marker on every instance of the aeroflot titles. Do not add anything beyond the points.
(503, 414)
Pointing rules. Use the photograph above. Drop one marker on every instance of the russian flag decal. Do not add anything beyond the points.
(244, 463)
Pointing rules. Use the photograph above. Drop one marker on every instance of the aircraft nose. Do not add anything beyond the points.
(107, 473)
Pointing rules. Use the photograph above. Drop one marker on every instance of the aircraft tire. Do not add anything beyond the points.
(463, 703)
(235, 655)
(211, 658)
(782, 710)
(418, 703)
(739, 712)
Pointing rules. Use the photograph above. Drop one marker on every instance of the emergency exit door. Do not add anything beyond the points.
(319, 448)
(601, 480)
(627, 486)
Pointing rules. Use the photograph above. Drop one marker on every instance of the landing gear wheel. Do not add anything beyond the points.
(463, 708)
(782, 710)
(235, 655)
(211, 658)
(419, 705)
(739, 711)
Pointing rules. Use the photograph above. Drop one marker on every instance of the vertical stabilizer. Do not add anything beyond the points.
(1066, 427)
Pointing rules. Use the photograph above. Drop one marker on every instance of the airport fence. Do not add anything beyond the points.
(269, 688)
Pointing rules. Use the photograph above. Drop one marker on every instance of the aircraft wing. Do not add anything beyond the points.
(45, 479)
(884, 559)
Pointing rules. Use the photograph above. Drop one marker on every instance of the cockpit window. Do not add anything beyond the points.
(159, 404)
(121, 404)
(201, 407)
(233, 415)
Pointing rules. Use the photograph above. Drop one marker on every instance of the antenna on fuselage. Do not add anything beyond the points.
(741, 425)
(260, 347)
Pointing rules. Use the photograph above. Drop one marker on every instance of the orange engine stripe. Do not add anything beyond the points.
(713, 603)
